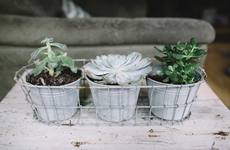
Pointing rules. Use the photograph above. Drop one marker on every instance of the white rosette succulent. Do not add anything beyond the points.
(118, 69)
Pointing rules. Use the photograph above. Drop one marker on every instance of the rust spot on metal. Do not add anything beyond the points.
(153, 135)
(190, 113)
(151, 130)
(222, 133)
(70, 124)
(78, 144)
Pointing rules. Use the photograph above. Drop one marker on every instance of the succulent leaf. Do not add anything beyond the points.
(160, 73)
(57, 53)
(162, 59)
(67, 61)
(166, 79)
(37, 52)
(53, 64)
(184, 59)
(118, 69)
(40, 67)
(193, 41)
(54, 61)
(179, 56)
(61, 46)
(160, 51)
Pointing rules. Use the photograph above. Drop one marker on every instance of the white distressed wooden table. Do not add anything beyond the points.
(207, 128)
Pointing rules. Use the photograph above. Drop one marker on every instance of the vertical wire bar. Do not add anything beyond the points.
(123, 107)
(164, 106)
(32, 103)
(120, 102)
(94, 94)
(205, 75)
(176, 104)
(83, 72)
(79, 104)
(84, 92)
(26, 94)
(66, 101)
(136, 115)
(109, 99)
(194, 96)
(42, 105)
(186, 102)
(150, 103)
(136, 96)
(54, 106)
(27, 91)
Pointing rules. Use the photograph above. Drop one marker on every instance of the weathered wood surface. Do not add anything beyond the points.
(19, 130)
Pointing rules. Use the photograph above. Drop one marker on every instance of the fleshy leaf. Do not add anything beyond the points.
(179, 56)
(36, 52)
(40, 67)
(57, 53)
(53, 64)
(119, 68)
(193, 41)
(123, 79)
(161, 59)
(67, 61)
(160, 73)
(73, 69)
(160, 51)
(166, 79)
(180, 47)
(109, 78)
(93, 76)
(61, 46)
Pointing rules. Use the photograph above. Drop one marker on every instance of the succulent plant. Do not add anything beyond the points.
(54, 62)
(118, 69)
(181, 61)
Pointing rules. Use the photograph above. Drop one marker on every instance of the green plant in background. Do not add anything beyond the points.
(54, 62)
(181, 61)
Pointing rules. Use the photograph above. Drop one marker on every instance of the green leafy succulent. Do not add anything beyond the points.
(181, 61)
(54, 62)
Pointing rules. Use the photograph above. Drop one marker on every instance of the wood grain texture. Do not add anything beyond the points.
(216, 64)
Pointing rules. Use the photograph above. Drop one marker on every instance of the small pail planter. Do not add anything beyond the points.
(171, 102)
(119, 103)
(55, 103)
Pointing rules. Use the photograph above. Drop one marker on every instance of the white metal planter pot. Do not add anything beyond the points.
(171, 102)
(114, 103)
(55, 103)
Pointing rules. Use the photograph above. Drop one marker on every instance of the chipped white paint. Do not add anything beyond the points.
(19, 130)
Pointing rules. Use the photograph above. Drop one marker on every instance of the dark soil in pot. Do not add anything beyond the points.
(66, 77)
(158, 78)
(161, 78)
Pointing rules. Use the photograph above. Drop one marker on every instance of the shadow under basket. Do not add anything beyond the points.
(170, 101)
(114, 103)
(55, 103)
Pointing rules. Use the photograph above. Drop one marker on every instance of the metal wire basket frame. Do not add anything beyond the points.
(87, 115)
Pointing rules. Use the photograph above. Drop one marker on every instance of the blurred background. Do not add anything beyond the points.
(217, 13)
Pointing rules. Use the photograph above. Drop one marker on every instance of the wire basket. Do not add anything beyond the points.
(88, 110)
